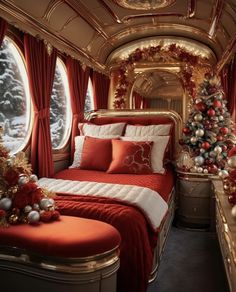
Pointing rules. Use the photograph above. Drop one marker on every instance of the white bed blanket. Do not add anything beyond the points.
(149, 201)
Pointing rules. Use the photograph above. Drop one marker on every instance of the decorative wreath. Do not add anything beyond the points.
(191, 75)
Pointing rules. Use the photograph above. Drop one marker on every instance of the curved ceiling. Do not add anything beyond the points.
(91, 30)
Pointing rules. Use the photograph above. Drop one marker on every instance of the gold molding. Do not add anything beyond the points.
(33, 27)
(51, 8)
(191, 8)
(112, 13)
(145, 5)
(216, 15)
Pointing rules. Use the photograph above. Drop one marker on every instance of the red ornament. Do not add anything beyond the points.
(2, 213)
(213, 169)
(186, 130)
(224, 130)
(232, 199)
(219, 137)
(232, 152)
(211, 112)
(200, 106)
(217, 103)
(206, 145)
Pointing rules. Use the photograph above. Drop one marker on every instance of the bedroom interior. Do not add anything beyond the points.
(118, 145)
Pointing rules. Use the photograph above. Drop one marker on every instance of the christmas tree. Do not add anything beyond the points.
(207, 134)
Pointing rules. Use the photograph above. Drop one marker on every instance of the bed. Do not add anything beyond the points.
(139, 205)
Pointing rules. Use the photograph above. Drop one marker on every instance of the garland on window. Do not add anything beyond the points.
(21, 199)
(191, 75)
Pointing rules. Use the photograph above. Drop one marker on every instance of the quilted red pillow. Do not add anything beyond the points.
(131, 157)
(96, 153)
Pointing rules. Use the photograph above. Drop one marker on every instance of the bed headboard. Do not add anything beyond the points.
(143, 117)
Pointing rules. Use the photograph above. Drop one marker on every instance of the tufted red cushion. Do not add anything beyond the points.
(69, 237)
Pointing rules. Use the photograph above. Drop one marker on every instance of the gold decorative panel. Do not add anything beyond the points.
(144, 4)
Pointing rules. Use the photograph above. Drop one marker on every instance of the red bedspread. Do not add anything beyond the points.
(137, 237)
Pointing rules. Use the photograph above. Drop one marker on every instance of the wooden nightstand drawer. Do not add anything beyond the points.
(194, 188)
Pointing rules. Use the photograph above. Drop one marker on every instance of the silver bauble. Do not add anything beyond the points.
(193, 139)
(193, 124)
(199, 133)
(205, 170)
(212, 154)
(51, 201)
(5, 204)
(22, 180)
(233, 212)
(36, 207)
(33, 217)
(221, 118)
(33, 178)
(27, 209)
(200, 169)
(198, 117)
(218, 149)
(202, 150)
(199, 160)
(232, 161)
(44, 203)
(223, 173)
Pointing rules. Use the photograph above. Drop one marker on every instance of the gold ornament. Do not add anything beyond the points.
(13, 219)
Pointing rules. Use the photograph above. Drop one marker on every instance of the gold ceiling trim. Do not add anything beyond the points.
(191, 8)
(151, 14)
(36, 28)
(51, 8)
(144, 4)
(112, 13)
(86, 16)
(216, 16)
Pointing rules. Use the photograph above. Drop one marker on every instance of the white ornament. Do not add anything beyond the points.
(202, 150)
(223, 173)
(193, 139)
(193, 124)
(218, 149)
(200, 169)
(205, 170)
(199, 160)
(197, 100)
(199, 133)
(198, 117)
(221, 118)
(232, 161)
(33, 217)
(5, 204)
(233, 212)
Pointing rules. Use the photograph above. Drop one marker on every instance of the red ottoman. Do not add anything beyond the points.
(73, 254)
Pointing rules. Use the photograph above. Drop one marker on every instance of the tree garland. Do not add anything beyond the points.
(191, 75)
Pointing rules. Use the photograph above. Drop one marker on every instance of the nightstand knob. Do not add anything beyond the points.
(195, 209)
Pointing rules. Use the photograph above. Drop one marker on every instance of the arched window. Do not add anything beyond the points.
(15, 102)
(60, 112)
(89, 101)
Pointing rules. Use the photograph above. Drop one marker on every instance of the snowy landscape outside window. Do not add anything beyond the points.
(89, 102)
(15, 102)
(60, 112)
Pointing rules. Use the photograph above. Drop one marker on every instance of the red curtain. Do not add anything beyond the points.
(101, 84)
(41, 70)
(228, 79)
(78, 84)
(3, 28)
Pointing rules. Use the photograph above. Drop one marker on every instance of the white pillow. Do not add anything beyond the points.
(93, 130)
(79, 143)
(158, 150)
(151, 130)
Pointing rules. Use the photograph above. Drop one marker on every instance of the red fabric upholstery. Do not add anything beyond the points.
(131, 157)
(69, 237)
(96, 154)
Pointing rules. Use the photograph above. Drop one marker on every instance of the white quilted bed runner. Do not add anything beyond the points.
(149, 201)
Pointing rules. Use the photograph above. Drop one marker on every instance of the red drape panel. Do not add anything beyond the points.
(228, 79)
(41, 70)
(78, 83)
(101, 84)
(3, 28)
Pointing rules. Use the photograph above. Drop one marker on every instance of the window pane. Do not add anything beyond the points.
(60, 113)
(15, 104)
(89, 102)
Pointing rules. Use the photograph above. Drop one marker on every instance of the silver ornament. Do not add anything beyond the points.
(221, 118)
(218, 149)
(44, 203)
(33, 178)
(199, 160)
(212, 154)
(23, 179)
(232, 161)
(205, 170)
(193, 139)
(199, 133)
(223, 173)
(33, 217)
(198, 117)
(51, 201)
(202, 150)
(200, 169)
(27, 209)
(233, 212)
(5, 204)
(193, 124)
(36, 207)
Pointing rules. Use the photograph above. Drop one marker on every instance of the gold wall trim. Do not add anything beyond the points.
(216, 15)
(108, 9)
(191, 8)
(51, 8)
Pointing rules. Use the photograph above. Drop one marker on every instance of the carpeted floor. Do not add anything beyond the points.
(191, 263)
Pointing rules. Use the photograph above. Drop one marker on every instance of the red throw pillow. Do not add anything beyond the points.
(96, 154)
(131, 157)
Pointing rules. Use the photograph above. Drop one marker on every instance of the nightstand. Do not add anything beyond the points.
(226, 232)
(195, 204)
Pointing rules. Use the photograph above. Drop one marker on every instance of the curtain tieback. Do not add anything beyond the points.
(43, 114)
